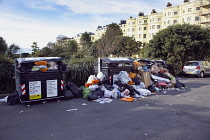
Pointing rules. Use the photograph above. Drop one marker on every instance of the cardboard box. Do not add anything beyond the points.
(146, 78)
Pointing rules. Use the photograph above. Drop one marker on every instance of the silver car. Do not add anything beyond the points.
(198, 68)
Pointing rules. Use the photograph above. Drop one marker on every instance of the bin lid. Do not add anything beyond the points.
(34, 59)
(118, 60)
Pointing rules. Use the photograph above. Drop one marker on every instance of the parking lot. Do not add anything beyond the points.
(174, 115)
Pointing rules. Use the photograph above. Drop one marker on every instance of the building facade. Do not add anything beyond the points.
(144, 27)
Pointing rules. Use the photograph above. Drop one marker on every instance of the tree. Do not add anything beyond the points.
(180, 43)
(104, 48)
(125, 46)
(3, 46)
(71, 47)
(35, 48)
(13, 49)
(45, 52)
(86, 40)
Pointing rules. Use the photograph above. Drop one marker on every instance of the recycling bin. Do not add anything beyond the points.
(36, 81)
(113, 66)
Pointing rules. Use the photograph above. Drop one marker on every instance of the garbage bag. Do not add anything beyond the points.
(152, 88)
(115, 93)
(100, 76)
(124, 77)
(96, 94)
(86, 91)
(106, 80)
(67, 92)
(91, 78)
(93, 87)
(137, 81)
(144, 92)
(75, 90)
(38, 63)
(62, 67)
(13, 98)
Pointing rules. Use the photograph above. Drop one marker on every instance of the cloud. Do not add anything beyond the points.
(102, 6)
(25, 32)
(39, 4)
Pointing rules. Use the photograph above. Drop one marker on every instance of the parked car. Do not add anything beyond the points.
(198, 68)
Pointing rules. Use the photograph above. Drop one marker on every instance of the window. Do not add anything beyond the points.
(153, 19)
(145, 36)
(133, 29)
(145, 28)
(169, 13)
(198, 8)
(158, 26)
(183, 11)
(197, 18)
(169, 22)
(175, 21)
(164, 22)
(150, 20)
(175, 13)
(159, 19)
(128, 30)
(133, 23)
(139, 36)
(139, 21)
(145, 21)
(189, 9)
(188, 19)
(139, 28)
(153, 26)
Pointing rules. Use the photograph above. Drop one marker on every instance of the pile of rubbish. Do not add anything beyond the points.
(142, 81)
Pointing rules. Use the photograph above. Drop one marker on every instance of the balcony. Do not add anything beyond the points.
(206, 22)
(206, 14)
(206, 5)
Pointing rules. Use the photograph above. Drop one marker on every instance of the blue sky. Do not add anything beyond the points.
(23, 22)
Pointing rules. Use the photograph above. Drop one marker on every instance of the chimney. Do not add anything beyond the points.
(186, 1)
(153, 11)
(168, 4)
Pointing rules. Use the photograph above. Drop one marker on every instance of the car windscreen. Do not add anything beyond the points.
(191, 64)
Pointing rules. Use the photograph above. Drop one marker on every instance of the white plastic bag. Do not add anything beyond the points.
(144, 92)
(123, 76)
(93, 87)
(100, 76)
(91, 78)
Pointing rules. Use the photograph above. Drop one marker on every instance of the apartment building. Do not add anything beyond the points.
(144, 27)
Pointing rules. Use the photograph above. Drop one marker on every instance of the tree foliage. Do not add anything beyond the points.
(35, 48)
(180, 43)
(3, 46)
(85, 40)
(12, 50)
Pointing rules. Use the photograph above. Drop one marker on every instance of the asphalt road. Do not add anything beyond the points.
(165, 116)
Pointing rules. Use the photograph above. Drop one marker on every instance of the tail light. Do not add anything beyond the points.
(198, 67)
(183, 67)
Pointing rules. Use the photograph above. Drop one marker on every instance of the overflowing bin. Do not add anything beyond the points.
(112, 66)
(39, 78)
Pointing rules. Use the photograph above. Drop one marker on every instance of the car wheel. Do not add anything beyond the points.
(201, 75)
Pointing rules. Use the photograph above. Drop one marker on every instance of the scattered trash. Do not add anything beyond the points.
(84, 104)
(103, 100)
(4, 99)
(72, 109)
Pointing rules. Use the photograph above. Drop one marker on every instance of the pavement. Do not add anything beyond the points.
(175, 115)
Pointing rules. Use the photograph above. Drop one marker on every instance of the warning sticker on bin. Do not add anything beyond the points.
(35, 90)
(37, 96)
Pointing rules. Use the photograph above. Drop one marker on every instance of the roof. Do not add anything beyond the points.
(118, 60)
(34, 59)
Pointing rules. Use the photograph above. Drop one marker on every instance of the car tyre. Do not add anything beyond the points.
(201, 74)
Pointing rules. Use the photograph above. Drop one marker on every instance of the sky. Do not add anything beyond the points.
(23, 22)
